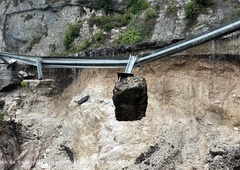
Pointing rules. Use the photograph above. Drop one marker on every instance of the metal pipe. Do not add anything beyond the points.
(84, 61)
(24, 59)
(81, 66)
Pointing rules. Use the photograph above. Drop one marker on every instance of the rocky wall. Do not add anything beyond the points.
(38, 27)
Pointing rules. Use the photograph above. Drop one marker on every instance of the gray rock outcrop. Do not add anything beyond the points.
(224, 157)
(6, 76)
(38, 27)
(130, 98)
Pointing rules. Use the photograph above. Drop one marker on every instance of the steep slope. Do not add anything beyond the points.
(193, 108)
(44, 27)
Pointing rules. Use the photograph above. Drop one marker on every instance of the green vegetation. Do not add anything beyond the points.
(194, 7)
(98, 38)
(55, 54)
(192, 10)
(24, 84)
(82, 1)
(122, 20)
(136, 31)
(151, 13)
(128, 15)
(106, 5)
(82, 11)
(67, 1)
(126, 18)
(2, 114)
(69, 36)
(131, 36)
(137, 5)
(105, 22)
(134, 7)
(204, 2)
(229, 17)
(84, 45)
(171, 9)
(238, 10)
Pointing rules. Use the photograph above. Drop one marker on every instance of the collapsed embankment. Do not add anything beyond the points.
(192, 119)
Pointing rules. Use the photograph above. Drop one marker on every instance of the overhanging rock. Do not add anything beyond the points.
(130, 98)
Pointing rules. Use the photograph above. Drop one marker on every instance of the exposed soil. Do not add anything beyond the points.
(192, 119)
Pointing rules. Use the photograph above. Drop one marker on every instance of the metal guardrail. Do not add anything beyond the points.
(129, 63)
(66, 62)
(186, 44)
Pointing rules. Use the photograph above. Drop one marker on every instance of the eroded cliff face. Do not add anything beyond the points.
(193, 111)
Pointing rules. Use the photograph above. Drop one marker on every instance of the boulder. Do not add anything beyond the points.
(130, 98)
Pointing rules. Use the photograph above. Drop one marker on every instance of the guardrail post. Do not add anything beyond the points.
(130, 64)
(3, 59)
(39, 68)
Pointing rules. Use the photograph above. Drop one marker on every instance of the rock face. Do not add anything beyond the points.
(224, 157)
(130, 98)
(38, 27)
(11, 76)
(5, 77)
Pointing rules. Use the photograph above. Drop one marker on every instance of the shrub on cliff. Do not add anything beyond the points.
(131, 36)
(193, 8)
(69, 36)
(204, 2)
(106, 5)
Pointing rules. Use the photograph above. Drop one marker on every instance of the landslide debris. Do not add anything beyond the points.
(9, 145)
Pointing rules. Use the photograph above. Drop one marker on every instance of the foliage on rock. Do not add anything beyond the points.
(137, 5)
(131, 36)
(24, 84)
(69, 36)
(151, 13)
(2, 114)
(171, 9)
(84, 45)
(105, 22)
(106, 5)
(98, 38)
(194, 7)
